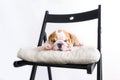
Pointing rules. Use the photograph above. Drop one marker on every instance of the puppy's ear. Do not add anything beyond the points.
(74, 40)
(52, 35)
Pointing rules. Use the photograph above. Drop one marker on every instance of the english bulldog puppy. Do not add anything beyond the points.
(61, 40)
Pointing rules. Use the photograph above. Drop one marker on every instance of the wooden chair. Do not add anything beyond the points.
(68, 18)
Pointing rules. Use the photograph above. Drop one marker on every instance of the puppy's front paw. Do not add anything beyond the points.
(68, 48)
(47, 47)
(80, 44)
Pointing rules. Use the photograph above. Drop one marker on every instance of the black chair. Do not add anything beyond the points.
(52, 18)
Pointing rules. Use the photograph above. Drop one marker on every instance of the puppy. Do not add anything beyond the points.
(61, 40)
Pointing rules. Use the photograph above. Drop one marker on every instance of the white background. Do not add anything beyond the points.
(20, 24)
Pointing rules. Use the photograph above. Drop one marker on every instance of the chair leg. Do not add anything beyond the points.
(99, 70)
(33, 72)
(49, 73)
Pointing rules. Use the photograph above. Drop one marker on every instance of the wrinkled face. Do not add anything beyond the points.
(60, 40)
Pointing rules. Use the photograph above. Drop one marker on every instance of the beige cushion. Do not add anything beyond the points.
(78, 55)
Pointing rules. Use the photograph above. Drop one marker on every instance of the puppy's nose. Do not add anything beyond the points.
(59, 45)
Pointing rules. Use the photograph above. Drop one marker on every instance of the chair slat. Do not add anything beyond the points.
(53, 18)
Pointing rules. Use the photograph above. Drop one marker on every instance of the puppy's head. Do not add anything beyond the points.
(62, 40)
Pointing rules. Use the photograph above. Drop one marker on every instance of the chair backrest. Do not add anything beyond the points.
(69, 18)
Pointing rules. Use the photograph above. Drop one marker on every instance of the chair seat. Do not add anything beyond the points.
(78, 55)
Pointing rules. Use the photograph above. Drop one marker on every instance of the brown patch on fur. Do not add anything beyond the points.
(52, 37)
(74, 40)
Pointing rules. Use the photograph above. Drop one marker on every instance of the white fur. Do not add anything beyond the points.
(60, 35)
(65, 46)
(60, 39)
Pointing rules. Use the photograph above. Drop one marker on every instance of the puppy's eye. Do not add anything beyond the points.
(65, 40)
(53, 41)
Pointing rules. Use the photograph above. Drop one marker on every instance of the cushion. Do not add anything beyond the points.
(78, 55)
